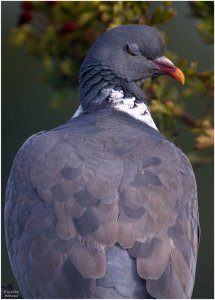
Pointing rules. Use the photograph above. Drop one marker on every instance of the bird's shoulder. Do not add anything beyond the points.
(103, 130)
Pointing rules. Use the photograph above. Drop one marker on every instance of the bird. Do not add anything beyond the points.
(104, 206)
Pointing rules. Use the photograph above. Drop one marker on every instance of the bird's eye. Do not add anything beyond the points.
(133, 49)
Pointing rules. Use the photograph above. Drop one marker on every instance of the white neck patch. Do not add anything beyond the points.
(78, 112)
(139, 111)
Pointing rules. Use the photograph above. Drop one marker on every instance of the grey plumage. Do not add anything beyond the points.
(102, 206)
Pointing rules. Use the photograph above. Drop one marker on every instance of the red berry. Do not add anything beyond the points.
(26, 5)
(25, 17)
(68, 27)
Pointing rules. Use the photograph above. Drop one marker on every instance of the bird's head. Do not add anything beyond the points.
(123, 58)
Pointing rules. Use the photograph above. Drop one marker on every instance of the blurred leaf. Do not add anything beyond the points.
(21, 35)
(204, 11)
(58, 99)
(65, 67)
(162, 14)
(205, 140)
(198, 160)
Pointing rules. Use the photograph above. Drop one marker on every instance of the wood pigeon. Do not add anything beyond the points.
(103, 206)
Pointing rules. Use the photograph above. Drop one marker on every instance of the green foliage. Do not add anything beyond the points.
(204, 11)
(61, 32)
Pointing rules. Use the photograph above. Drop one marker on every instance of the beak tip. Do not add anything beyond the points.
(179, 76)
(183, 79)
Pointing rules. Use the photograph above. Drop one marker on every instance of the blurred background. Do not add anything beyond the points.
(32, 102)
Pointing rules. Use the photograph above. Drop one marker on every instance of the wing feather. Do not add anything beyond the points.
(158, 221)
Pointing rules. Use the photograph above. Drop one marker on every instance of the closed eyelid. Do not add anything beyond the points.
(132, 48)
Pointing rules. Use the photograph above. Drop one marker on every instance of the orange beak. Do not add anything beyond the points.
(178, 75)
(168, 68)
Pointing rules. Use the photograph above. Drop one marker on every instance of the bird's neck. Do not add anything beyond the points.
(131, 106)
(101, 89)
